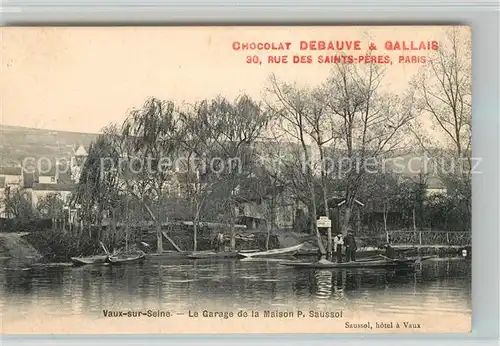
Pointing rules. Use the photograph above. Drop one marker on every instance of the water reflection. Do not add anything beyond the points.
(438, 286)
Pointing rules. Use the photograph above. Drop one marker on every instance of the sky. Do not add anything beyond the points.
(83, 78)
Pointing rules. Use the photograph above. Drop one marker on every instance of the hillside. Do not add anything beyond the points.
(17, 143)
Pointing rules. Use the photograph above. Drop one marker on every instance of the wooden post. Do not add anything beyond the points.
(329, 234)
(420, 237)
(447, 238)
(358, 221)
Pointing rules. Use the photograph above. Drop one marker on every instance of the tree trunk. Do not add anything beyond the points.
(414, 221)
(127, 223)
(113, 224)
(385, 218)
(329, 229)
(159, 239)
(347, 218)
(232, 232)
(314, 227)
(126, 237)
(313, 218)
(325, 201)
(195, 229)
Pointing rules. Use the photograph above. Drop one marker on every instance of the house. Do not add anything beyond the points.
(12, 176)
(435, 186)
(254, 207)
(49, 177)
(39, 191)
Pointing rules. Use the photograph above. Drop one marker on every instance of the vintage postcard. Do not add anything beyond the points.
(235, 180)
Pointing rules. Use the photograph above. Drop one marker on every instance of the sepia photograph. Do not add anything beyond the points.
(193, 180)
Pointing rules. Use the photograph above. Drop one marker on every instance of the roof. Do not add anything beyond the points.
(81, 151)
(10, 171)
(54, 187)
(355, 201)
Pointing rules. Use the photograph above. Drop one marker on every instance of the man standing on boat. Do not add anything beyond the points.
(338, 243)
(350, 247)
(219, 241)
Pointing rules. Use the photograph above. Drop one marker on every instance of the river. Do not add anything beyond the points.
(438, 286)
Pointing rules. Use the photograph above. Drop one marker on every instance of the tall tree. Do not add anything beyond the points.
(200, 148)
(444, 90)
(370, 123)
(293, 108)
(150, 142)
(98, 187)
(233, 127)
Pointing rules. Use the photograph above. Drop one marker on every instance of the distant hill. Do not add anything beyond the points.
(17, 143)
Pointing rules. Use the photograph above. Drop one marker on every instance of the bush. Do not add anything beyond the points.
(24, 225)
(58, 246)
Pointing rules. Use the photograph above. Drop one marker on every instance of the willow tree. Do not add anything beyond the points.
(98, 187)
(150, 140)
(198, 143)
(231, 129)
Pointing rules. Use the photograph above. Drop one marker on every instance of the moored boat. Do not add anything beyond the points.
(222, 254)
(272, 253)
(169, 255)
(97, 259)
(126, 257)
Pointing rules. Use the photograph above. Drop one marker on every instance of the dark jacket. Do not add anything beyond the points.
(350, 241)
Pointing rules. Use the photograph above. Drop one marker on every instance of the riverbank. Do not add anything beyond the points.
(49, 246)
(44, 246)
(15, 248)
(15, 245)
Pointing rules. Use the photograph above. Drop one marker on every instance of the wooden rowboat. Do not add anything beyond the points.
(222, 254)
(271, 253)
(211, 254)
(98, 259)
(169, 255)
(126, 258)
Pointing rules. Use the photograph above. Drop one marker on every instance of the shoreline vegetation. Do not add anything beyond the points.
(54, 246)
